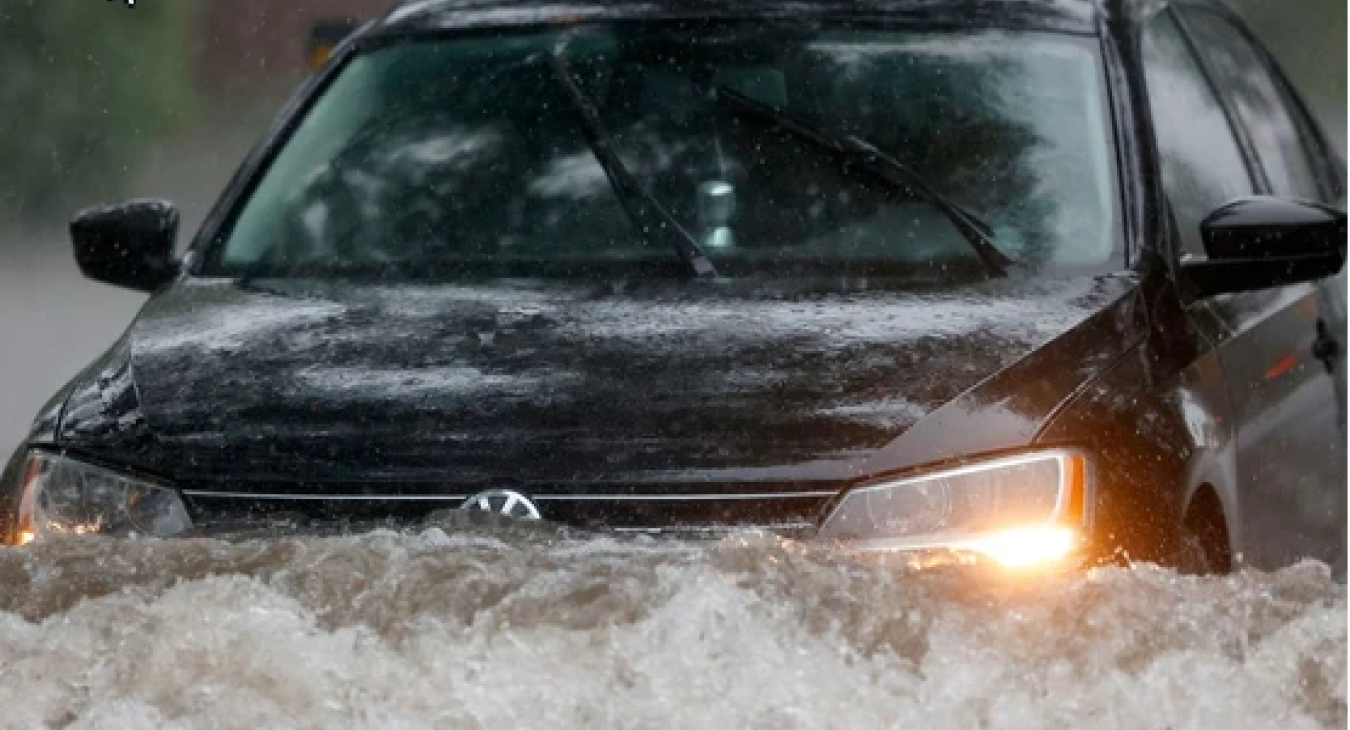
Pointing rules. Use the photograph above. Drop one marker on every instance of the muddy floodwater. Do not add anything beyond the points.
(432, 630)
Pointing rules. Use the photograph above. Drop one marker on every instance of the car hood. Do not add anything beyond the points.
(311, 381)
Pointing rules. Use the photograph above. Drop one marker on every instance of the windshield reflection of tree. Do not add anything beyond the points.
(445, 169)
(490, 160)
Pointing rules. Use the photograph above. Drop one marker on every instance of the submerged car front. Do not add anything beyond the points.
(812, 275)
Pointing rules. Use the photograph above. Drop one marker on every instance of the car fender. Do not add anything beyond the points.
(1158, 434)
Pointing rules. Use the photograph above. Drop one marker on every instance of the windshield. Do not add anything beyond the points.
(469, 156)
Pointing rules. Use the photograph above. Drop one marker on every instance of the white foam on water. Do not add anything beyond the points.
(451, 631)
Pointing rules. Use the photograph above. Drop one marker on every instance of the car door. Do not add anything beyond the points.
(1272, 344)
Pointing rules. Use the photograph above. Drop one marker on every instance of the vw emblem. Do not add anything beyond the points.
(503, 502)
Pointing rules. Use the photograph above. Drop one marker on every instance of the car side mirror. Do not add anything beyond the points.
(128, 245)
(1263, 242)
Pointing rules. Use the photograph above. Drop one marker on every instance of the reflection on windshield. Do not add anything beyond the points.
(456, 157)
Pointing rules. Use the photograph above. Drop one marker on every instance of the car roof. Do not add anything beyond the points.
(418, 16)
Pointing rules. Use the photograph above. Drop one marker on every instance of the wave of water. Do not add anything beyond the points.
(432, 631)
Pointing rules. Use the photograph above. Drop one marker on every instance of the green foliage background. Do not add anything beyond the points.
(1309, 39)
(87, 86)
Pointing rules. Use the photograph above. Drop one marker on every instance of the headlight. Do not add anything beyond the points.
(1020, 511)
(64, 496)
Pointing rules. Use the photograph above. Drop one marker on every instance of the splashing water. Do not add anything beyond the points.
(431, 631)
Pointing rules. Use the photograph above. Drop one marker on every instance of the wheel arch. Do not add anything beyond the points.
(1207, 515)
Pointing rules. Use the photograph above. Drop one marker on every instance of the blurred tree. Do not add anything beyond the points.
(87, 87)
(1308, 37)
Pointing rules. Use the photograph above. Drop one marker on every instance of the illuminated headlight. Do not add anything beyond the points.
(1020, 511)
(64, 496)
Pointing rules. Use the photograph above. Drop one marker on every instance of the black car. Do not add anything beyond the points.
(1033, 282)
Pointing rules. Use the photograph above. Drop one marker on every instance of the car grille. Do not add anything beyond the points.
(679, 508)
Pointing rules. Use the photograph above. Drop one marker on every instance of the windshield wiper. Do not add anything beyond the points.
(865, 155)
(651, 218)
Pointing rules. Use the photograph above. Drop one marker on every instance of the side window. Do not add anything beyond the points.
(1261, 104)
(1202, 165)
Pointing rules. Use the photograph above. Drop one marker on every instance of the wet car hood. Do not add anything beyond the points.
(290, 380)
